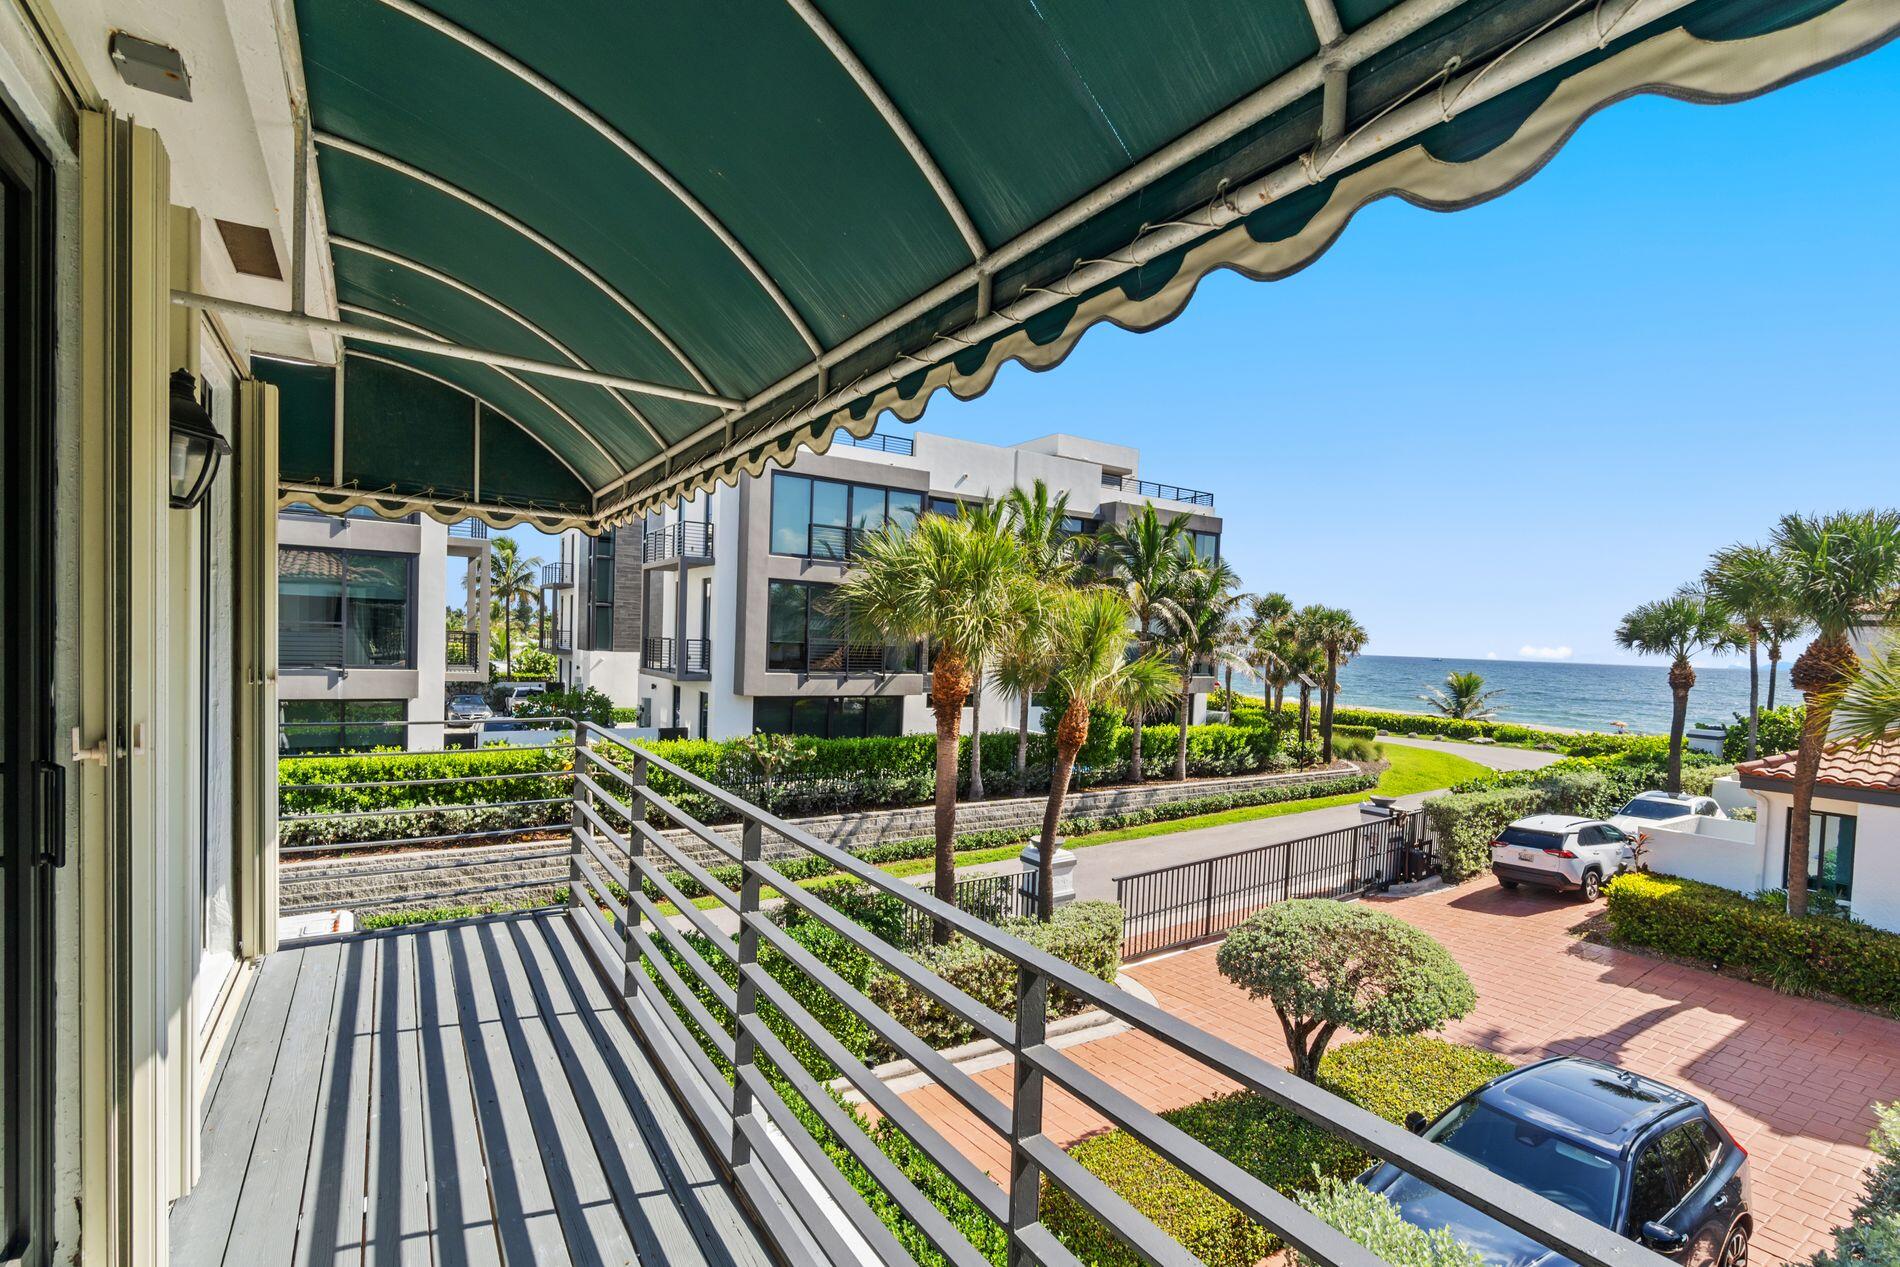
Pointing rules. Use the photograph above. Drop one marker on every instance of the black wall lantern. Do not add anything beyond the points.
(196, 448)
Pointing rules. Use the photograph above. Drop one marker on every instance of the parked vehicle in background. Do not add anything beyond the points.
(1634, 1155)
(1559, 851)
(468, 708)
(1653, 809)
(515, 692)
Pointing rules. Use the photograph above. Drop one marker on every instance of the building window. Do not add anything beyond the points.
(852, 717)
(600, 572)
(948, 507)
(1205, 545)
(825, 519)
(1830, 853)
(322, 725)
(1077, 526)
(344, 609)
(803, 636)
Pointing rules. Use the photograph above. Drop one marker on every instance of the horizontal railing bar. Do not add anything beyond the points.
(352, 846)
(687, 821)
(1259, 1202)
(924, 1212)
(1128, 1225)
(843, 1196)
(577, 898)
(762, 1194)
(831, 1240)
(692, 914)
(458, 864)
(614, 803)
(609, 864)
(687, 996)
(707, 1091)
(981, 1188)
(398, 900)
(604, 948)
(394, 754)
(598, 884)
(987, 1022)
(679, 858)
(286, 789)
(1044, 1249)
(420, 721)
(452, 807)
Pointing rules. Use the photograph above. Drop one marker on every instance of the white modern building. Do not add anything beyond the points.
(364, 639)
(708, 614)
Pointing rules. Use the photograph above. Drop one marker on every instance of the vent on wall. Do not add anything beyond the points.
(251, 249)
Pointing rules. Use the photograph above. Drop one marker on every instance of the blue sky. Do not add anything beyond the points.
(1499, 429)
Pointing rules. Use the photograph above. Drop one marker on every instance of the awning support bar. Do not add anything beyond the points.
(413, 343)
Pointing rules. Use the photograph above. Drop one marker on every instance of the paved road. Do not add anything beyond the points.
(1097, 866)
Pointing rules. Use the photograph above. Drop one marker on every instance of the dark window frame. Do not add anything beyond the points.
(895, 658)
(876, 715)
(1817, 851)
(409, 600)
(781, 480)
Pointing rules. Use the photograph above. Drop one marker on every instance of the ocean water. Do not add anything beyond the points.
(1579, 696)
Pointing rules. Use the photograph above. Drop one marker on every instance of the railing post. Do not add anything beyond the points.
(578, 827)
(744, 1046)
(1286, 879)
(1207, 899)
(636, 847)
(1358, 840)
(1025, 1123)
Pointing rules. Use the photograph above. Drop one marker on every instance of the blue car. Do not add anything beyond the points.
(1621, 1150)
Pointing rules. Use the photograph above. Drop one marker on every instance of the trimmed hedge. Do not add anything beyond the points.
(1816, 954)
(1373, 1221)
(1273, 1144)
(1465, 823)
(1398, 723)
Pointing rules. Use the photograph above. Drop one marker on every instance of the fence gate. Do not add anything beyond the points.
(1192, 901)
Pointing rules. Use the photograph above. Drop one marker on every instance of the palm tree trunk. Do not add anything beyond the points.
(949, 682)
(1182, 713)
(1678, 720)
(1227, 693)
(1754, 692)
(976, 735)
(1134, 746)
(1807, 768)
(1306, 713)
(1326, 706)
(1022, 743)
(507, 642)
(1774, 672)
(1071, 733)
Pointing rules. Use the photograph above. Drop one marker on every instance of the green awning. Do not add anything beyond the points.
(820, 210)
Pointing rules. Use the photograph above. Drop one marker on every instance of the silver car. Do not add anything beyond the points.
(469, 708)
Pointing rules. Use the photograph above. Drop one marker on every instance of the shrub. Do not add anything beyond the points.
(626, 717)
(1812, 954)
(1323, 964)
(1700, 780)
(1354, 732)
(1465, 823)
(1873, 1235)
(586, 704)
(1086, 934)
(1275, 1145)
(1777, 730)
(1367, 1217)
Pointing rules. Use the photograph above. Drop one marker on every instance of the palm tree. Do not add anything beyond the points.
(1677, 627)
(1144, 559)
(990, 520)
(1054, 555)
(1267, 615)
(1207, 601)
(1090, 634)
(1746, 583)
(1784, 627)
(965, 590)
(1463, 696)
(1843, 570)
(1339, 637)
(1867, 711)
(1305, 667)
(512, 583)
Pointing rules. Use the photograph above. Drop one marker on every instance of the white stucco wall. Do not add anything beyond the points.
(1714, 851)
(1876, 881)
(431, 636)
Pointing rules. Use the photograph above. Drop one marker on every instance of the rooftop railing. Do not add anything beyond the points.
(557, 576)
(1166, 492)
(903, 446)
(474, 529)
(695, 989)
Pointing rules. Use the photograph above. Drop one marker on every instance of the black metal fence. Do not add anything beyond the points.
(990, 898)
(1191, 901)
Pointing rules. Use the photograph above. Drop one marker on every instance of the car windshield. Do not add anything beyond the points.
(1647, 807)
(1529, 1155)
(468, 701)
(1526, 838)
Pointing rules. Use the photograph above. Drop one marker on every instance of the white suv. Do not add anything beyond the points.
(1558, 851)
(1653, 809)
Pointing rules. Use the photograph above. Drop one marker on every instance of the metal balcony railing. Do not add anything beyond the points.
(698, 656)
(903, 446)
(557, 576)
(725, 1028)
(1167, 492)
(657, 654)
(474, 529)
(464, 649)
(558, 638)
(689, 539)
(834, 541)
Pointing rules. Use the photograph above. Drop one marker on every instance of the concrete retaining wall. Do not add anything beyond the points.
(459, 876)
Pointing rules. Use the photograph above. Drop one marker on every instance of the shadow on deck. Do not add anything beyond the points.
(464, 1093)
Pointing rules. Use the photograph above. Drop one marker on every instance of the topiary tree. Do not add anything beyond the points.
(1324, 964)
(1369, 1218)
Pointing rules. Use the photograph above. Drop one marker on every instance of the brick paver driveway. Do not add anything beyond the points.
(1793, 1078)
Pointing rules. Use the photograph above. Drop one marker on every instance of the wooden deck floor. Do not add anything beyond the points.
(466, 1094)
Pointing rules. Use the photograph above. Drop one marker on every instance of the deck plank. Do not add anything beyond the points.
(461, 1216)
(201, 1220)
(675, 1193)
(523, 1195)
(396, 1186)
(331, 1229)
(264, 1230)
(596, 1234)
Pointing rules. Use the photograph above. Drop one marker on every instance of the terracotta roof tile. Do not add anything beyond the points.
(1875, 768)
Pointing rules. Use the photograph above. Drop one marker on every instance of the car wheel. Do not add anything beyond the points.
(1735, 1250)
(1509, 884)
(1592, 886)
